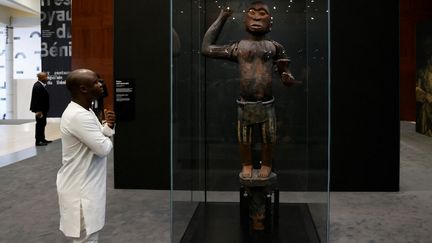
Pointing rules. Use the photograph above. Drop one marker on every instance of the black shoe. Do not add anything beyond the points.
(47, 141)
(41, 144)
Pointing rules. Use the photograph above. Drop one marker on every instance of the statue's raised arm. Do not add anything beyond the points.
(209, 47)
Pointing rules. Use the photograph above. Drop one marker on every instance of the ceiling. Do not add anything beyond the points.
(28, 6)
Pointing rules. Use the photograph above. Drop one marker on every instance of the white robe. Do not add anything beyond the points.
(81, 181)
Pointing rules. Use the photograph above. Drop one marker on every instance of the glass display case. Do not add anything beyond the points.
(228, 56)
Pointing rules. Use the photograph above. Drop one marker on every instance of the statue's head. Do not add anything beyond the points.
(258, 19)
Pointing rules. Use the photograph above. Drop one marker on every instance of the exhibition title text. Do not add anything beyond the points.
(56, 36)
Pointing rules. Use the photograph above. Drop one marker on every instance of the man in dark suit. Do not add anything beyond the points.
(40, 106)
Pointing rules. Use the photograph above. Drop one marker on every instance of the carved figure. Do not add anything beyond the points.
(257, 57)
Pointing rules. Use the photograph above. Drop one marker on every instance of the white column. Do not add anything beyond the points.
(10, 96)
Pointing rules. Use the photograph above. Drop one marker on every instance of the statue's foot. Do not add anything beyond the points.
(247, 171)
(264, 171)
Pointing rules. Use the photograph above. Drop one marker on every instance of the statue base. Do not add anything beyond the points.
(257, 212)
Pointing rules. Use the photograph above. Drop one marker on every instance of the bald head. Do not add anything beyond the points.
(42, 76)
(80, 80)
(77, 78)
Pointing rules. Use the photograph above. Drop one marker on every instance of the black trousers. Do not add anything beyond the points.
(40, 128)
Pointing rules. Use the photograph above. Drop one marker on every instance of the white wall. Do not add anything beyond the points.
(21, 88)
(22, 97)
(24, 85)
(26, 52)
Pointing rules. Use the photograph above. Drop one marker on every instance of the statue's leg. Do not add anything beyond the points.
(268, 140)
(244, 136)
(266, 159)
(246, 154)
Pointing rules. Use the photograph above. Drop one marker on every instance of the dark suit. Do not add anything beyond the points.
(40, 102)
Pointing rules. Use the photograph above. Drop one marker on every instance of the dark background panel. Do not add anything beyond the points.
(365, 95)
(204, 94)
(188, 98)
(364, 99)
(141, 52)
(301, 110)
(205, 91)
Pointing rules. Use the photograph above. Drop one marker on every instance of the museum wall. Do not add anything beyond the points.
(92, 40)
(141, 147)
(141, 54)
(365, 95)
(411, 14)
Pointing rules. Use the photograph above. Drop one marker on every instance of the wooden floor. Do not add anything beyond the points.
(18, 137)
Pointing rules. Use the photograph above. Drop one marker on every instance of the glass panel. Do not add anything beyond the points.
(206, 159)
(188, 147)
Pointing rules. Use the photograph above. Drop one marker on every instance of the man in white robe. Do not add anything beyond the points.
(81, 181)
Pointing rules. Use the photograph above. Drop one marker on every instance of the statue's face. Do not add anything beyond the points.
(258, 19)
